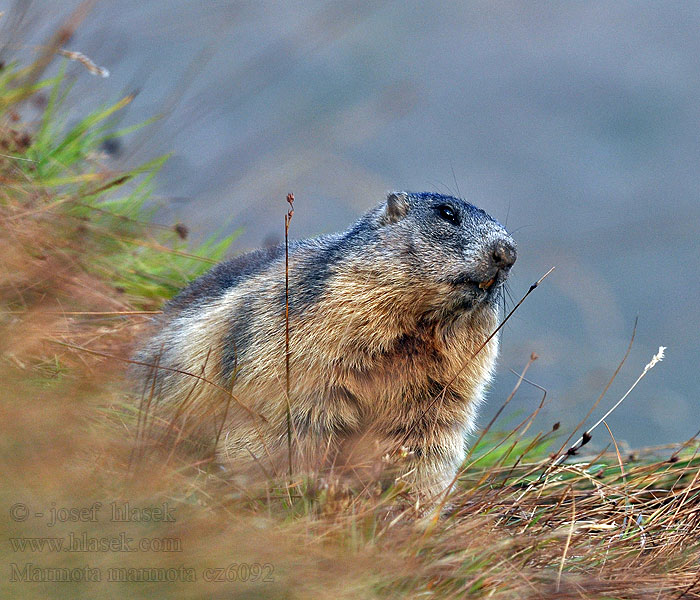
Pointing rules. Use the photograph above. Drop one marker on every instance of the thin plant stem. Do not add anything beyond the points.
(287, 220)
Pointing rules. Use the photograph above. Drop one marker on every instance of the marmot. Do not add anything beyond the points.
(384, 321)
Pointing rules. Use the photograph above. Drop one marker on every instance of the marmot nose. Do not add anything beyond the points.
(503, 255)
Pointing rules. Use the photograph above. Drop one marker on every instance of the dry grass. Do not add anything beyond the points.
(607, 526)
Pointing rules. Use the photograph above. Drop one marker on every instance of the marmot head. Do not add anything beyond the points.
(447, 245)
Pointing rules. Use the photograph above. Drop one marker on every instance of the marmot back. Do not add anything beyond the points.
(384, 319)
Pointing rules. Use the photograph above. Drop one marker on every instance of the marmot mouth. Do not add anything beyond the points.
(487, 285)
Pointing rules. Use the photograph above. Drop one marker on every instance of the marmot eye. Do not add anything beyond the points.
(448, 214)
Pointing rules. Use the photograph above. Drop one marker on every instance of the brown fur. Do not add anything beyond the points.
(382, 360)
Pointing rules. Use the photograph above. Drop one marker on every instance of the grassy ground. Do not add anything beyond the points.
(80, 273)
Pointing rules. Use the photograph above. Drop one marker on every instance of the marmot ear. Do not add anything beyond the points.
(396, 207)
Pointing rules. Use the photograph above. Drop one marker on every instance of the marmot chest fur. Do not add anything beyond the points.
(384, 322)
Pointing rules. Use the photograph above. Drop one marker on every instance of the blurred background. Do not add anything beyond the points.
(575, 124)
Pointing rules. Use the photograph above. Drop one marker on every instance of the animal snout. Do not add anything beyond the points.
(503, 255)
(499, 258)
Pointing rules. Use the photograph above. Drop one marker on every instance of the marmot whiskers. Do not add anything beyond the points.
(384, 320)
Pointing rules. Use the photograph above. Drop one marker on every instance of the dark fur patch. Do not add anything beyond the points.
(421, 344)
(213, 285)
(302, 422)
(337, 401)
(447, 396)
(223, 277)
(237, 341)
(310, 279)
